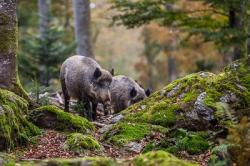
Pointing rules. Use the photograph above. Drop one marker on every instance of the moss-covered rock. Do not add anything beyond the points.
(52, 117)
(15, 129)
(124, 133)
(160, 158)
(199, 102)
(191, 102)
(181, 140)
(89, 161)
(79, 143)
(6, 159)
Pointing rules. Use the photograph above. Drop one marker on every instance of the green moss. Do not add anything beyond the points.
(160, 158)
(123, 133)
(193, 144)
(90, 161)
(127, 132)
(55, 118)
(15, 129)
(8, 35)
(7, 159)
(176, 106)
(79, 143)
(181, 140)
(161, 113)
(190, 96)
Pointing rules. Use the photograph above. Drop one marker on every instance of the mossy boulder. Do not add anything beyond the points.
(199, 102)
(6, 159)
(124, 133)
(160, 158)
(51, 117)
(15, 129)
(79, 143)
(181, 140)
(88, 161)
(192, 102)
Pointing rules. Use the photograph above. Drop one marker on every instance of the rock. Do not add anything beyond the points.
(87, 161)
(105, 128)
(135, 147)
(204, 75)
(242, 88)
(201, 109)
(143, 107)
(190, 103)
(79, 143)
(117, 118)
(51, 117)
(160, 158)
(234, 66)
(173, 91)
(230, 97)
(46, 94)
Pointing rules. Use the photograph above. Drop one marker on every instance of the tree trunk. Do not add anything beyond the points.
(82, 27)
(44, 21)
(238, 20)
(172, 74)
(8, 48)
(44, 11)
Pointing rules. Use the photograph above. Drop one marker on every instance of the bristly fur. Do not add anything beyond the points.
(79, 81)
(121, 88)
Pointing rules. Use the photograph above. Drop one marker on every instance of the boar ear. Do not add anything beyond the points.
(97, 73)
(112, 72)
(133, 92)
(148, 92)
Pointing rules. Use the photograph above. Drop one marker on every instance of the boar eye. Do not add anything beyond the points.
(133, 92)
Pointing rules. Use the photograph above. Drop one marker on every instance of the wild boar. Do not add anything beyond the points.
(125, 92)
(83, 78)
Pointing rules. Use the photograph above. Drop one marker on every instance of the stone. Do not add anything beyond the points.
(143, 107)
(117, 118)
(202, 110)
(135, 147)
(105, 128)
(173, 91)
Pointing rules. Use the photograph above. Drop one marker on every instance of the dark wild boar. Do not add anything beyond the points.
(125, 92)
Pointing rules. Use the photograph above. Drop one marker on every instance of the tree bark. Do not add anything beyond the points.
(82, 27)
(8, 48)
(44, 21)
(8, 45)
(172, 73)
(44, 10)
(238, 20)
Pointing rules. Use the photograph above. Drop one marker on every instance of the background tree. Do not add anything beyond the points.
(41, 53)
(82, 27)
(8, 48)
(224, 22)
(44, 16)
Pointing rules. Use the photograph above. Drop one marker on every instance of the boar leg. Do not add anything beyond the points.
(87, 108)
(94, 115)
(66, 95)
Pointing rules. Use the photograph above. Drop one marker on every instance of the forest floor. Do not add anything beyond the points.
(50, 145)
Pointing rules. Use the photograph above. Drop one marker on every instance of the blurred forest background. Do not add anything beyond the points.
(154, 53)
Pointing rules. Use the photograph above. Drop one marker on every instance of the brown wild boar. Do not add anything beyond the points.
(83, 78)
